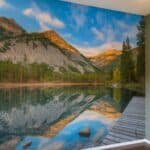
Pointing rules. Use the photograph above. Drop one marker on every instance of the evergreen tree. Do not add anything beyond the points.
(124, 47)
(127, 65)
(141, 49)
(128, 43)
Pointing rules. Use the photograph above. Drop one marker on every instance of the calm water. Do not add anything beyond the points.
(28, 112)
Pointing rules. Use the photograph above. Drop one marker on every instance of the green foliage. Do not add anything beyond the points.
(26, 38)
(127, 65)
(116, 75)
(6, 46)
(33, 37)
(127, 44)
(124, 45)
(141, 52)
(138, 87)
(10, 72)
(73, 69)
(4, 34)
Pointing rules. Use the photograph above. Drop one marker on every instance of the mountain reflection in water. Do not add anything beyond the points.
(31, 111)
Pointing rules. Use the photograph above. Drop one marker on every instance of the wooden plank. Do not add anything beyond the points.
(131, 126)
(122, 136)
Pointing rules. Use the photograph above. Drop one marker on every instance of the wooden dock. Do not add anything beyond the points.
(131, 126)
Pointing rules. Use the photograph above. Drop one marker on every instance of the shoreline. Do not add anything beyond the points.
(45, 84)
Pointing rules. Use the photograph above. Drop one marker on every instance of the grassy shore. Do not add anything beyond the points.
(44, 84)
(138, 87)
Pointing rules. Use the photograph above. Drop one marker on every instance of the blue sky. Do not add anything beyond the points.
(89, 29)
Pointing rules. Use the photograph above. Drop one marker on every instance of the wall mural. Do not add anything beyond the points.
(67, 72)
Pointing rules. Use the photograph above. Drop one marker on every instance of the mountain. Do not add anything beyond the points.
(106, 58)
(34, 48)
(8, 27)
(41, 48)
(66, 48)
(60, 42)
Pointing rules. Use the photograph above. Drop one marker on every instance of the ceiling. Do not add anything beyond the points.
(141, 7)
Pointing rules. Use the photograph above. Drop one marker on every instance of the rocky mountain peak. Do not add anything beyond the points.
(8, 27)
(106, 57)
(59, 41)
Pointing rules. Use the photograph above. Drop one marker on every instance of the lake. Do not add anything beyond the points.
(30, 113)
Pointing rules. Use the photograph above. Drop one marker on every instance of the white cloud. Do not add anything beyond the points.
(107, 33)
(67, 35)
(111, 45)
(101, 18)
(122, 24)
(45, 19)
(88, 51)
(99, 34)
(130, 30)
(92, 51)
(110, 34)
(131, 33)
(78, 14)
(110, 42)
(4, 4)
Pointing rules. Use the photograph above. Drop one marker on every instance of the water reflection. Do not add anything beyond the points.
(30, 111)
(117, 94)
(69, 137)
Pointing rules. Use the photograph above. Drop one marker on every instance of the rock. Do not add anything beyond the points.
(27, 144)
(85, 132)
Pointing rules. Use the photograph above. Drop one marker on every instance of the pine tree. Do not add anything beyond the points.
(124, 47)
(127, 65)
(128, 43)
(141, 49)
